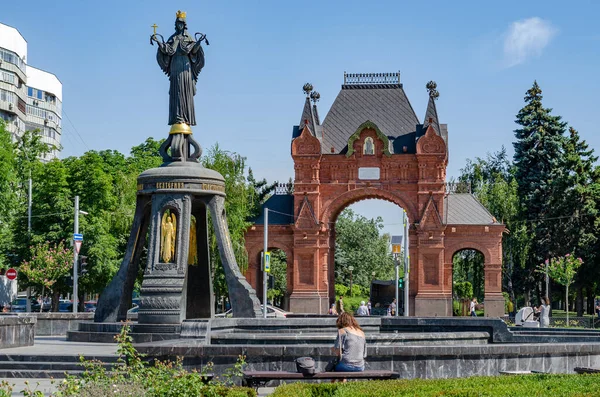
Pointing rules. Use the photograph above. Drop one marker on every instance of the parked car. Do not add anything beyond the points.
(65, 305)
(272, 312)
(19, 305)
(90, 306)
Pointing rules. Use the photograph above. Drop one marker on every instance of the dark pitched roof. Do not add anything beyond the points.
(431, 113)
(307, 116)
(465, 209)
(386, 105)
(281, 212)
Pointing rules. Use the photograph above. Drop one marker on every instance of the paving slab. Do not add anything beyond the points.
(58, 345)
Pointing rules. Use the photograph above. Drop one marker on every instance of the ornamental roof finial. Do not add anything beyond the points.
(431, 88)
(315, 96)
(307, 88)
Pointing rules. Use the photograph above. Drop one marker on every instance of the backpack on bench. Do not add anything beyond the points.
(306, 365)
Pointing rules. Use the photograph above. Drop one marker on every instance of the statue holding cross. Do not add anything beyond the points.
(181, 58)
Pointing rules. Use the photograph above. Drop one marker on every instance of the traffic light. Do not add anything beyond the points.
(68, 280)
(271, 282)
(401, 282)
(82, 265)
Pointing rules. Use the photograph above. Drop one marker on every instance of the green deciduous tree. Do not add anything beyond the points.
(278, 293)
(8, 194)
(359, 244)
(48, 263)
(243, 199)
(562, 270)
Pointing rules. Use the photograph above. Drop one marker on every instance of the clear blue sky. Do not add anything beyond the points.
(483, 55)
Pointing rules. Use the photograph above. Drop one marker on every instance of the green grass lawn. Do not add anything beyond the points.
(492, 386)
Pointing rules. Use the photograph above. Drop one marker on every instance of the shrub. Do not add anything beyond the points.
(351, 304)
(132, 376)
(357, 290)
(456, 306)
(5, 389)
(463, 290)
(341, 289)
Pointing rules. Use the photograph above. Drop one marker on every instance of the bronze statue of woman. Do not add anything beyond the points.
(182, 59)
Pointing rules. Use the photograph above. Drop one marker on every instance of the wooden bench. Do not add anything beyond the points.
(584, 370)
(258, 379)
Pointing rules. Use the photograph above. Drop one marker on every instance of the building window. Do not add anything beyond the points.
(29, 91)
(39, 94)
(369, 147)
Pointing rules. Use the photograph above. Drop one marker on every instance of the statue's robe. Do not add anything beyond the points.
(182, 59)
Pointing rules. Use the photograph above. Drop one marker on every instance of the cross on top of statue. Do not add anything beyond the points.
(181, 58)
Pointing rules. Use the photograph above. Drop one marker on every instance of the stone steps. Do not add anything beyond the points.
(108, 337)
(46, 366)
(437, 338)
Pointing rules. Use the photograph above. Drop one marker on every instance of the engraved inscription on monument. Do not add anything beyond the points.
(368, 173)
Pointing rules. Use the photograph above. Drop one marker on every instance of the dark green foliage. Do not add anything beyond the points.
(9, 194)
(467, 266)
(539, 155)
(279, 272)
(359, 244)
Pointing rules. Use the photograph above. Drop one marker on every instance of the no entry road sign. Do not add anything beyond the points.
(11, 274)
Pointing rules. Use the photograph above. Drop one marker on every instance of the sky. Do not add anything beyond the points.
(483, 56)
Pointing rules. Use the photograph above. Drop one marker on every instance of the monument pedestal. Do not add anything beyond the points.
(172, 209)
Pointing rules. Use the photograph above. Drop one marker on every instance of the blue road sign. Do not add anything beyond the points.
(77, 237)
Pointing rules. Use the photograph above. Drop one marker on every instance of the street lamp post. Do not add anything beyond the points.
(396, 249)
(350, 268)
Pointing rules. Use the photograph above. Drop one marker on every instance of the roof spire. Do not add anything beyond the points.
(315, 96)
(310, 117)
(431, 116)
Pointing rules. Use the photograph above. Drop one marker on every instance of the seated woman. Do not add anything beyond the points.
(350, 345)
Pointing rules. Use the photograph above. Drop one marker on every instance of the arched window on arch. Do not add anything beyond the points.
(369, 146)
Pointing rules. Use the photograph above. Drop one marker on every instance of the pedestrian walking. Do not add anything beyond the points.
(362, 309)
(332, 310)
(544, 310)
(339, 305)
(472, 307)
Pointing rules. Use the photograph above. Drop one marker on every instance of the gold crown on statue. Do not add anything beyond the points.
(180, 14)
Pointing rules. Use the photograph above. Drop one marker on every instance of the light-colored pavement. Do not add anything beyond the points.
(53, 346)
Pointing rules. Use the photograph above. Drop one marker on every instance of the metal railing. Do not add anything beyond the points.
(458, 187)
(561, 322)
(284, 188)
(371, 78)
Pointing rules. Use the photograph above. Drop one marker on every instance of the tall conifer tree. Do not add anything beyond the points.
(538, 157)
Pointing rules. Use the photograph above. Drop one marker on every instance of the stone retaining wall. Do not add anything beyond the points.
(409, 361)
(57, 324)
(16, 331)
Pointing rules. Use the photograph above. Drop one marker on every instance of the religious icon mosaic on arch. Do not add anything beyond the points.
(369, 146)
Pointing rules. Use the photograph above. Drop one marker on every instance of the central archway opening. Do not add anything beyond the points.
(468, 282)
(364, 265)
(277, 282)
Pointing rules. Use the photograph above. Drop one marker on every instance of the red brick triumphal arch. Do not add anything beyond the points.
(372, 145)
